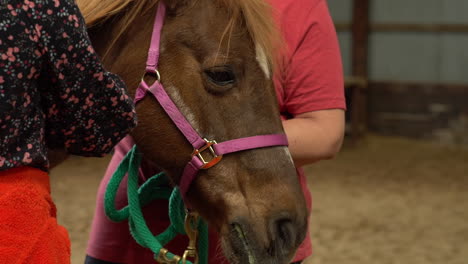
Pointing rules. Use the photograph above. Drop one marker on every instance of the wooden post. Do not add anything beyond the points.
(360, 31)
(360, 36)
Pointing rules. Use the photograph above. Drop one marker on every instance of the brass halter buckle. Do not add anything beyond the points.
(215, 158)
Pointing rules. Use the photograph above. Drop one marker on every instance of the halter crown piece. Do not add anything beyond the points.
(147, 191)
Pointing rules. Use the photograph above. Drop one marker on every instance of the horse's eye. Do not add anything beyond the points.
(221, 75)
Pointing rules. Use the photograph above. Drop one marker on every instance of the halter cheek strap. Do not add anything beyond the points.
(199, 144)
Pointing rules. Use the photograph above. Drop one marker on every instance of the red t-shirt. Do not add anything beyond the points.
(310, 79)
(311, 76)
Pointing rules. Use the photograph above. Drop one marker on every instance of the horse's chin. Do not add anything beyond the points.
(232, 254)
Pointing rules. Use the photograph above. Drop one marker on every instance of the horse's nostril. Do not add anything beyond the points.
(286, 231)
(284, 234)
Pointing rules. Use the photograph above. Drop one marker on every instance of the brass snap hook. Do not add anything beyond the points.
(191, 224)
(164, 259)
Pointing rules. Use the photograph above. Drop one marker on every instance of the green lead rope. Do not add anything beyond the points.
(154, 188)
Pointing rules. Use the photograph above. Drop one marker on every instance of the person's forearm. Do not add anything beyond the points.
(314, 138)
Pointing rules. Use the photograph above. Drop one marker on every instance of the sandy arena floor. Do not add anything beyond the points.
(389, 200)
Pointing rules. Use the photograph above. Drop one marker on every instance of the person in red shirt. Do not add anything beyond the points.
(310, 92)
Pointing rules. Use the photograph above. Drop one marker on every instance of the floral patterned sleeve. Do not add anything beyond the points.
(54, 91)
(88, 109)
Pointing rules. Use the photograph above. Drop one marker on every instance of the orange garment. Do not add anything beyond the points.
(29, 232)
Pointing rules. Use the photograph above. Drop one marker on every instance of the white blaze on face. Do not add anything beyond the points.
(262, 61)
(288, 154)
(184, 109)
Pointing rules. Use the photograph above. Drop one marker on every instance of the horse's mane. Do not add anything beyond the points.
(257, 15)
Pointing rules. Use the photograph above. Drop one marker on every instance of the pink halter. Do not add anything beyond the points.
(200, 145)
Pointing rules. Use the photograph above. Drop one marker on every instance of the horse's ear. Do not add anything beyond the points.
(174, 6)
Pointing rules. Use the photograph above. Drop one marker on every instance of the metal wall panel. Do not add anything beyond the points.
(341, 10)
(454, 58)
(403, 56)
(418, 11)
(411, 56)
(404, 11)
(454, 11)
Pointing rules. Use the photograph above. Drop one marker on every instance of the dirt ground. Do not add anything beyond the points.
(388, 200)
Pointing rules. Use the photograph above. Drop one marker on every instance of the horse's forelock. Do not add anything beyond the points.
(257, 15)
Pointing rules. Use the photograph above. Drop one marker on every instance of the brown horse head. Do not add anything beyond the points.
(215, 64)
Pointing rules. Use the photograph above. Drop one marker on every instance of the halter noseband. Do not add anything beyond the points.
(200, 145)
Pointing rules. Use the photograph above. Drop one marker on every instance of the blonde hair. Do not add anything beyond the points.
(257, 15)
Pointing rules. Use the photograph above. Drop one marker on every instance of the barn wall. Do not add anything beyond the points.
(341, 11)
(411, 56)
(437, 112)
(413, 73)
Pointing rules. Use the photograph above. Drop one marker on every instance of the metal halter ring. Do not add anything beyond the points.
(154, 74)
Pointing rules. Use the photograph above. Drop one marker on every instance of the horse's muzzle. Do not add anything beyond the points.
(273, 243)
